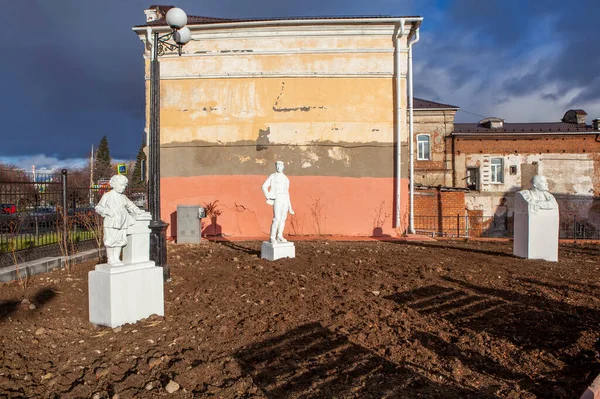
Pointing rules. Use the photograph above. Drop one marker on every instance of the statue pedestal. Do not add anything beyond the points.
(128, 293)
(535, 232)
(125, 294)
(280, 250)
(138, 240)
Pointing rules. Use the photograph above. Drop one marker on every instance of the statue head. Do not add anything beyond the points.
(279, 166)
(539, 183)
(118, 183)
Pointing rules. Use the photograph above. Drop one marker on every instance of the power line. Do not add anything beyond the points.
(472, 113)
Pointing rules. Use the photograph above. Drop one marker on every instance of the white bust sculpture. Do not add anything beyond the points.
(536, 222)
(119, 213)
(276, 190)
(538, 196)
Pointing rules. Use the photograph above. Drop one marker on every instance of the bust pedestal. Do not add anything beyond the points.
(276, 251)
(535, 231)
(128, 293)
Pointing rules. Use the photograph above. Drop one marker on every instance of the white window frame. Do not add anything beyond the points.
(420, 150)
(497, 171)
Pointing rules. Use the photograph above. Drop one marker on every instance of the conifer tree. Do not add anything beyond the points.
(102, 165)
(136, 176)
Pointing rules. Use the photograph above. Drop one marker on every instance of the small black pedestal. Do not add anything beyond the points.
(158, 246)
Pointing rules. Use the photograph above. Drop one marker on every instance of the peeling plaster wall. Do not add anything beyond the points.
(571, 165)
(320, 98)
(280, 111)
(438, 124)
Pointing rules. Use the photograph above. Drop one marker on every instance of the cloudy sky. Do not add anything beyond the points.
(72, 70)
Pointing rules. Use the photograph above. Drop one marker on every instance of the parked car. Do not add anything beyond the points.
(41, 217)
(81, 216)
(7, 222)
(8, 209)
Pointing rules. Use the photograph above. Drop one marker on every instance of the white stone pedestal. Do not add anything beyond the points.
(138, 240)
(125, 294)
(535, 232)
(280, 250)
(128, 293)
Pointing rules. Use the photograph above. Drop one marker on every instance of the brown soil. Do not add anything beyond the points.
(341, 320)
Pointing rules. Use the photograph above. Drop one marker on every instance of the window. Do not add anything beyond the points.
(423, 153)
(473, 179)
(497, 170)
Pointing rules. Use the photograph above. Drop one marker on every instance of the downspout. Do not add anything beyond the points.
(399, 120)
(453, 160)
(411, 223)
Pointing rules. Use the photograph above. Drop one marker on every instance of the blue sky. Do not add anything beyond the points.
(73, 70)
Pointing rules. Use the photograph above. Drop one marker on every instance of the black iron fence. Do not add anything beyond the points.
(38, 209)
(465, 226)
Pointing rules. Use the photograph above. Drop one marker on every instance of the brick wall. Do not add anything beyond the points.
(440, 212)
(528, 145)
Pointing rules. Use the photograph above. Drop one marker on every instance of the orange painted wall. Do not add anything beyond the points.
(348, 206)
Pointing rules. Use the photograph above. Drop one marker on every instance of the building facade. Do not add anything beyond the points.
(493, 159)
(326, 96)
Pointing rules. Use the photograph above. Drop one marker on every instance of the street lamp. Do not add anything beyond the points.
(176, 19)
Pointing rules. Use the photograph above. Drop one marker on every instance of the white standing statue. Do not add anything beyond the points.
(536, 222)
(124, 292)
(119, 213)
(278, 195)
(276, 190)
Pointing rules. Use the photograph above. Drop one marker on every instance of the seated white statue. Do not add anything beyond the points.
(119, 213)
(276, 190)
(538, 196)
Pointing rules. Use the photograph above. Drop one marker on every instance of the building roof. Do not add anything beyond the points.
(202, 20)
(419, 103)
(580, 112)
(524, 128)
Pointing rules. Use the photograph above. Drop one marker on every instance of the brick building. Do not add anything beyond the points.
(492, 159)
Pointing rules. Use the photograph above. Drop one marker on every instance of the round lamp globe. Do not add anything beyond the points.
(182, 36)
(176, 18)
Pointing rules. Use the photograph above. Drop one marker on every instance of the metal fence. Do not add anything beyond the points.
(37, 209)
(465, 226)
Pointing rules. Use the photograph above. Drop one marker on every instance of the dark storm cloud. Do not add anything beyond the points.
(73, 70)
(511, 28)
(69, 83)
(524, 84)
(549, 96)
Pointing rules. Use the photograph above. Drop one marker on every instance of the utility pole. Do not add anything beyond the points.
(92, 176)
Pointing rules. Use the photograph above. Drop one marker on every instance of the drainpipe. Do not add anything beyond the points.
(399, 119)
(411, 223)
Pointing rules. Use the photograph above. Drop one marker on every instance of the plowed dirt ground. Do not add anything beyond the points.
(341, 320)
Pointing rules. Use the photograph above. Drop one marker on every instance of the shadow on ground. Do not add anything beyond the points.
(313, 362)
(42, 297)
(533, 324)
(449, 245)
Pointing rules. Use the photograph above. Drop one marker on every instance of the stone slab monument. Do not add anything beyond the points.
(536, 222)
(124, 291)
(276, 191)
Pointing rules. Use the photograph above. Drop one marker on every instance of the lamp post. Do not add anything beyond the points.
(176, 19)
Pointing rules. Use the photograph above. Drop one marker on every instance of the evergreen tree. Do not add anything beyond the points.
(102, 167)
(136, 176)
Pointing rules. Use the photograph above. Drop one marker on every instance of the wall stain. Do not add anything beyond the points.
(236, 51)
(263, 142)
(276, 107)
(326, 158)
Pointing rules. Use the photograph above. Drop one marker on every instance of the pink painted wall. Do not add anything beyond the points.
(323, 204)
